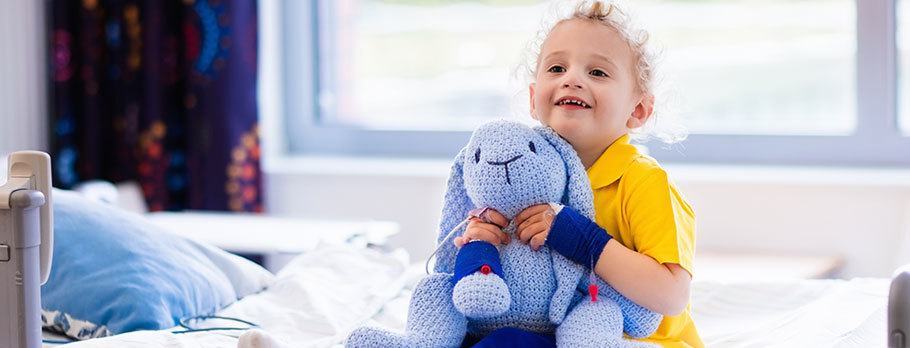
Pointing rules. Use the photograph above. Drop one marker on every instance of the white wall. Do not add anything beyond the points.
(862, 215)
(405, 192)
(23, 81)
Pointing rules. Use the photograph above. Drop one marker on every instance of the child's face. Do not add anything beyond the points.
(588, 62)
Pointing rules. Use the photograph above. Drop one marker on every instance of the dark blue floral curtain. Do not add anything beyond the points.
(162, 92)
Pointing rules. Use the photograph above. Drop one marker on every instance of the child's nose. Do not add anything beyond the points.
(572, 81)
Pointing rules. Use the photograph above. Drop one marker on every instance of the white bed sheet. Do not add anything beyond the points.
(319, 297)
(792, 313)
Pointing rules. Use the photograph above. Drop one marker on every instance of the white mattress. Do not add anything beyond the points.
(319, 297)
(792, 313)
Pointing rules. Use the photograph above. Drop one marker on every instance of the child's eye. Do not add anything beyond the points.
(477, 155)
(556, 69)
(599, 73)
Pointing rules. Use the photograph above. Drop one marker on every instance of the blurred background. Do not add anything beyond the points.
(798, 112)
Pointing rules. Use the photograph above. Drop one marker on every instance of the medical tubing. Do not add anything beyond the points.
(184, 324)
(426, 265)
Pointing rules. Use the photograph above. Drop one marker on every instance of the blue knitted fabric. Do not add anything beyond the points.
(480, 295)
(473, 256)
(577, 237)
(508, 166)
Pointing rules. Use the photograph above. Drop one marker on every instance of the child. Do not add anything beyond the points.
(592, 85)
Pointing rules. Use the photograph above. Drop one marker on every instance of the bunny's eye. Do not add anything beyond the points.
(533, 148)
(477, 155)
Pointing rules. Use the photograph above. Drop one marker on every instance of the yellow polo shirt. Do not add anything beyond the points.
(638, 205)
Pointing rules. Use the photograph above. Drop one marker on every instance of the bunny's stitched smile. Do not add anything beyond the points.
(506, 164)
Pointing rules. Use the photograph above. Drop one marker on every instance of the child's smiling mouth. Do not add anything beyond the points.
(572, 103)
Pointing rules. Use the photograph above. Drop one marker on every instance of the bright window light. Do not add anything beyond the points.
(421, 65)
(759, 67)
(733, 66)
(903, 47)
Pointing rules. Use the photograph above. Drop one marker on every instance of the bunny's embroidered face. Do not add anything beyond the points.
(508, 167)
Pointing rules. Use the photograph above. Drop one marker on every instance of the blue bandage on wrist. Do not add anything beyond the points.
(473, 256)
(577, 238)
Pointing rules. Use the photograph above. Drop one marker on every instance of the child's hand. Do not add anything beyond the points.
(534, 224)
(489, 232)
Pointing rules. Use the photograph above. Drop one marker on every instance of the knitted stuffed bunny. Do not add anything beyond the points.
(509, 166)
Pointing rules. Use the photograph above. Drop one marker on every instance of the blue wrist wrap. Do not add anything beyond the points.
(474, 255)
(577, 238)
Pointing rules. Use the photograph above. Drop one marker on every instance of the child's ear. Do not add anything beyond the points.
(642, 112)
(531, 100)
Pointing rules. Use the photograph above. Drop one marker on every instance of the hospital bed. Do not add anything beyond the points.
(319, 297)
(322, 294)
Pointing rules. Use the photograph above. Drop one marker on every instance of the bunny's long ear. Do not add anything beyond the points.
(454, 210)
(578, 195)
(578, 192)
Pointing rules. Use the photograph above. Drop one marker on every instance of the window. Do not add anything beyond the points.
(903, 46)
(759, 67)
(762, 82)
(420, 65)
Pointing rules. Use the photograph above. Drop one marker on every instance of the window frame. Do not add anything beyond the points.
(876, 141)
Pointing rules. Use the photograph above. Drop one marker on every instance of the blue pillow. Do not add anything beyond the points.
(115, 272)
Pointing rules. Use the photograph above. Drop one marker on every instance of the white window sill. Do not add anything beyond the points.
(690, 173)
(357, 166)
(791, 175)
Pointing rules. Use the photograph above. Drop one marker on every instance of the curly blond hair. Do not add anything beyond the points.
(614, 15)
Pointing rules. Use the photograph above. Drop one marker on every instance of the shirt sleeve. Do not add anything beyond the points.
(661, 222)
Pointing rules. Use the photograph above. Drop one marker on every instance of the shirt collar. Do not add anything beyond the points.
(610, 166)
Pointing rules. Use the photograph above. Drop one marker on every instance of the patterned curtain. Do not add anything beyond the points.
(162, 92)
